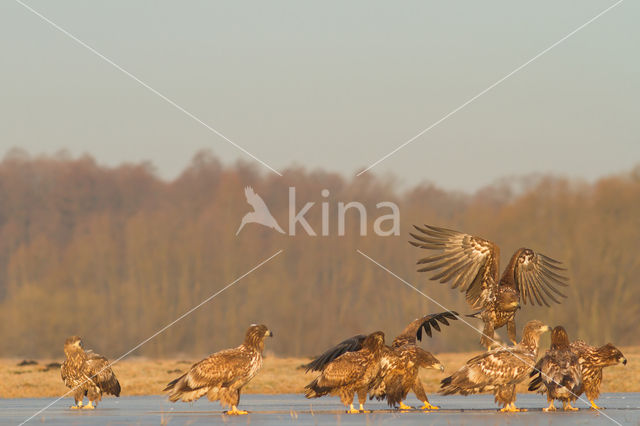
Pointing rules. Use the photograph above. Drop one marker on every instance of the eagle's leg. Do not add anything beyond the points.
(487, 339)
(235, 412)
(404, 406)
(551, 407)
(594, 406)
(566, 406)
(418, 389)
(78, 396)
(362, 397)
(511, 329)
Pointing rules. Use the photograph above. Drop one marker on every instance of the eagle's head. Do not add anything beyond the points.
(559, 338)
(374, 342)
(508, 299)
(255, 336)
(610, 355)
(531, 334)
(72, 344)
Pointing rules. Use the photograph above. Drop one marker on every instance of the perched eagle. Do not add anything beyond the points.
(400, 362)
(351, 373)
(472, 264)
(222, 375)
(499, 370)
(559, 371)
(592, 361)
(87, 374)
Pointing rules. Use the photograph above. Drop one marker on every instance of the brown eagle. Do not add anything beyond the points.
(222, 375)
(472, 264)
(351, 373)
(499, 370)
(87, 374)
(400, 362)
(559, 371)
(592, 361)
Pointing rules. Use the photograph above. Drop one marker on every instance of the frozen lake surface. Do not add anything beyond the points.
(624, 408)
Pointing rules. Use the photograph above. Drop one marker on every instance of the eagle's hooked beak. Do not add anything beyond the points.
(440, 366)
(546, 328)
(269, 333)
(624, 361)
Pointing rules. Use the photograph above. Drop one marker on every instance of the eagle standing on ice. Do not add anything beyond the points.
(472, 264)
(351, 373)
(222, 375)
(87, 374)
(499, 370)
(559, 371)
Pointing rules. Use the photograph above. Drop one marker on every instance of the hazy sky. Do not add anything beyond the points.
(335, 85)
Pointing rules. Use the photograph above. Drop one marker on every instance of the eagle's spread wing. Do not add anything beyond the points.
(414, 329)
(351, 344)
(465, 261)
(97, 368)
(536, 276)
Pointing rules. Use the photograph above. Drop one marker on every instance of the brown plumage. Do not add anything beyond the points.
(592, 361)
(222, 375)
(351, 373)
(87, 373)
(400, 362)
(559, 371)
(499, 370)
(472, 264)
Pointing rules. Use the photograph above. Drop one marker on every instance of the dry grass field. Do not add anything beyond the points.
(279, 375)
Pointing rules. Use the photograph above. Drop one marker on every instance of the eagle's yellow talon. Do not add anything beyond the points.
(76, 407)
(404, 406)
(428, 406)
(595, 407)
(235, 412)
(551, 407)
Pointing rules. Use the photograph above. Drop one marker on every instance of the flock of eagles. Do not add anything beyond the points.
(364, 365)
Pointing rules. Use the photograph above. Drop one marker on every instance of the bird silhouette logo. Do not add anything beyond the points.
(260, 213)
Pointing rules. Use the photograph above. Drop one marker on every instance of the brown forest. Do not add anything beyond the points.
(115, 254)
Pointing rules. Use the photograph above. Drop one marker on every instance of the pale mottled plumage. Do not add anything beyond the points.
(222, 375)
(499, 370)
(559, 371)
(472, 264)
(87, 374)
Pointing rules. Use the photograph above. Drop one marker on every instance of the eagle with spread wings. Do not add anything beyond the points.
(498, 370)
(559, 371)
(354, 372)
(222, 375)
(592, 361)
(400, 363)
(471, 264)
(87, 373)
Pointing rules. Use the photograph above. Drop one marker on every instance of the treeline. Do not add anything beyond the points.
(115, 254)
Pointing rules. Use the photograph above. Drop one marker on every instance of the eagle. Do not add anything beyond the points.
(222, 375)
(472, 264)
(498, 370)
(559, 371)
(354, 372)
(400, 362)
(87, 374)
(592, 360)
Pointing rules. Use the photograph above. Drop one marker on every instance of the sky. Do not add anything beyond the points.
(332, 85)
